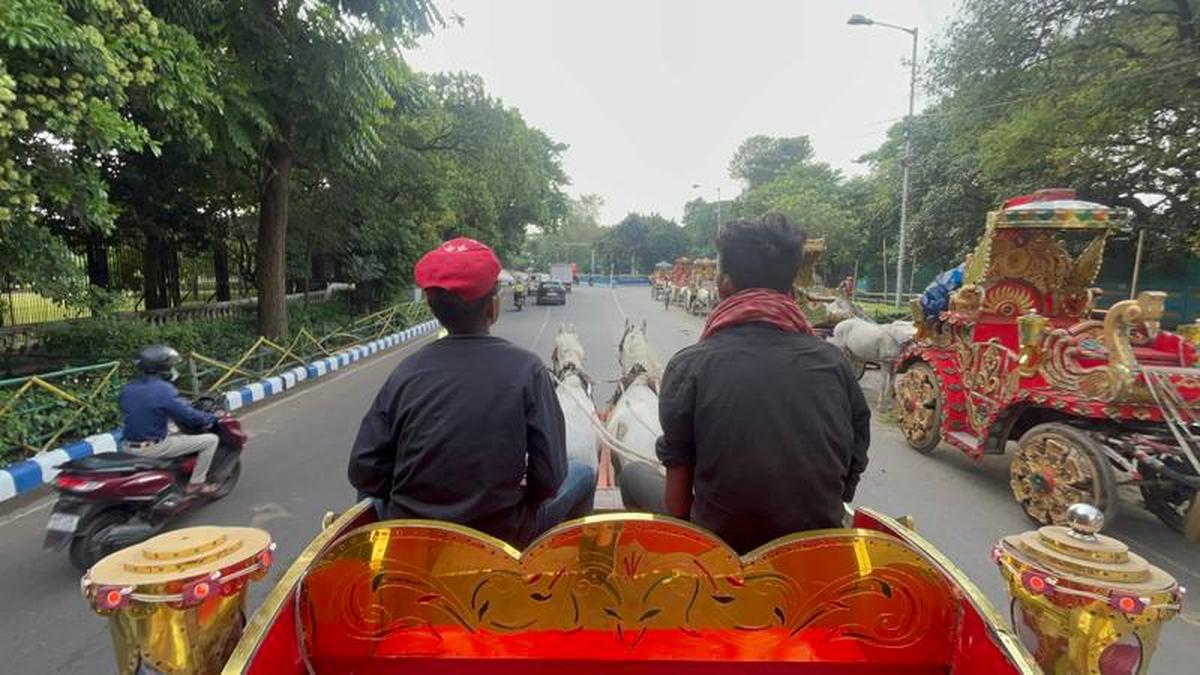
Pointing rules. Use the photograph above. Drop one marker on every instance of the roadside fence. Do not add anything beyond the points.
(41, 411)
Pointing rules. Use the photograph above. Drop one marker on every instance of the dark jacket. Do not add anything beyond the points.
(148, 402)
(467, 430)
(774, 424)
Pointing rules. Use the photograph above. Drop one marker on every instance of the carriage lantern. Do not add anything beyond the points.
(175, 603)
(1082, 602)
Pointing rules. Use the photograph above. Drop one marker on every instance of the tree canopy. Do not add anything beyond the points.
(285, 141)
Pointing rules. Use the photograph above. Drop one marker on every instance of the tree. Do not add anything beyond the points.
(701, 224)
(639, 241)
(325, 73)
(82, 83)
(761, 159)
(1099, 95)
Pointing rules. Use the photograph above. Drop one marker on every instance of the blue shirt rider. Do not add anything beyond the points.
(150, 402)
(936, 298)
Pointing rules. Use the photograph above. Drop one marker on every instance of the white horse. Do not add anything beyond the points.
(633, 418)
(867, 342)
(574, 392)
(704, 302)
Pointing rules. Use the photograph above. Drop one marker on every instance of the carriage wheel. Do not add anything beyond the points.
(920, 407)
(1057, 465)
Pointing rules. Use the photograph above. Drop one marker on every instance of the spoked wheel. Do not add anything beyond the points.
(1174, 504)
(919, 398)
(1057, 465)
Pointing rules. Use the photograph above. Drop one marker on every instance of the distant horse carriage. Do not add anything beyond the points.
(702, 297)
(660, 280)
(681, 274)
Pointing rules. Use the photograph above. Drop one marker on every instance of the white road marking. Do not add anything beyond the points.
(48, 501)
(617, 300)
(40, 505)
(537, 338)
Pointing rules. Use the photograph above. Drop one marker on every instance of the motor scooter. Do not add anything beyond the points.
(116, 499)
(519, 299)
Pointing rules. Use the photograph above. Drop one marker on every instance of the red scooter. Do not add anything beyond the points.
(109, 501)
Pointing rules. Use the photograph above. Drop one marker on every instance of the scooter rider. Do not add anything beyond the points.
(147, 404)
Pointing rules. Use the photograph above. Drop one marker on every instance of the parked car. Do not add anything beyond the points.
(551, 293)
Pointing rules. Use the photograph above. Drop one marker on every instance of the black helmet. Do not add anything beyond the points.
(158, 360)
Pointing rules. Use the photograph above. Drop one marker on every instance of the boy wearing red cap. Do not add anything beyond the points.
(468, 429)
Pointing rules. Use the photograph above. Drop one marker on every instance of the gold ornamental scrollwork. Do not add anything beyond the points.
(990, 375)
(648, 586)
(1115, 379)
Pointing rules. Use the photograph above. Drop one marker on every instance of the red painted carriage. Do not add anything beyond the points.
(625, 593)
(1093, 399)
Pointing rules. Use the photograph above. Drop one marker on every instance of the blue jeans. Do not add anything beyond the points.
(574, 500)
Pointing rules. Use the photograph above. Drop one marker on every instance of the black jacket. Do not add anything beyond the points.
(774, 424)
(466, 430)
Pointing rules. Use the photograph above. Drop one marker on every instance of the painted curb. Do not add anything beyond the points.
(30, 474)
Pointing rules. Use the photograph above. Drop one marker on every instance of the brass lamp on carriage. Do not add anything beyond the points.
(176, 603)
(1082, 602)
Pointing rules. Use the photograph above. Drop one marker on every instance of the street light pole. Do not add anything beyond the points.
(860, 20)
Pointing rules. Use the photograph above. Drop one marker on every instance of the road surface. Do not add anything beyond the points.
(295, 468)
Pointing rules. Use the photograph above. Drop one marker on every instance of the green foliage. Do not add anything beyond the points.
(574, 239)
(78, 82)
(761, 159)
(641, 241)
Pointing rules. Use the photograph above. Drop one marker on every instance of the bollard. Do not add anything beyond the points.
(176, 602)
(1082, 602)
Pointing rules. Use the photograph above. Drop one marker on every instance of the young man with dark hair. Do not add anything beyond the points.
(468, 428)
(765, 429)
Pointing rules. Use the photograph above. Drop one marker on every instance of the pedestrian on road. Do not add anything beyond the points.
(468, 429)
(765, 429)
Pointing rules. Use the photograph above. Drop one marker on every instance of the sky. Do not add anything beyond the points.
(654, 96)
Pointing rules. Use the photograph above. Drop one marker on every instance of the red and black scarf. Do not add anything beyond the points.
(757, 304)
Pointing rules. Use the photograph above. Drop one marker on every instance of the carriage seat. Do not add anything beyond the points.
(637, 592)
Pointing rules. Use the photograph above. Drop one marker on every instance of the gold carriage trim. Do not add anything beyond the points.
(632, 585)
(1068, 214)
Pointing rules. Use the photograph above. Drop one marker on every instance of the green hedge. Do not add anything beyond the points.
(113, 339)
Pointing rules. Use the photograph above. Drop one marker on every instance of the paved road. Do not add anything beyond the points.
(295, 471)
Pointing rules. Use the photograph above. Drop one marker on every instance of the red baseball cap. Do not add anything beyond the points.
(461, 266)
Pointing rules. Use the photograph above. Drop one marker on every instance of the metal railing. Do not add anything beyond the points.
(43, 411)
(38, 411)
(266, 358)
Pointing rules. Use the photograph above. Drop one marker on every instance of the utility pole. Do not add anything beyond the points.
(860, 20)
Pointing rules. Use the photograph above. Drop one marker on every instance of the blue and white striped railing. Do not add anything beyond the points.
(32, 473)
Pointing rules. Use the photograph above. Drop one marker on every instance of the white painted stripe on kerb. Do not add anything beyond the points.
(102, 443)
(277, 385)
(8, 488)
(301, 373)
(233, 400)
(256, 391)
(48, 461)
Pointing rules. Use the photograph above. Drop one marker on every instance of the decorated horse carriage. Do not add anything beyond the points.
(1095, 400)
(660, 280)
(703, 286)
(823, 308)
(680, 277)
(626, 592)
(630, 593)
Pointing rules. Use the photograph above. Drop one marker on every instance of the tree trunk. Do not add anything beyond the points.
(97, 263)
(171, 279)
(221, 268)
(271, 253)
(153, 260)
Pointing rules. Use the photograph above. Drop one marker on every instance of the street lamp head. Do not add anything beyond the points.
(859, 20)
